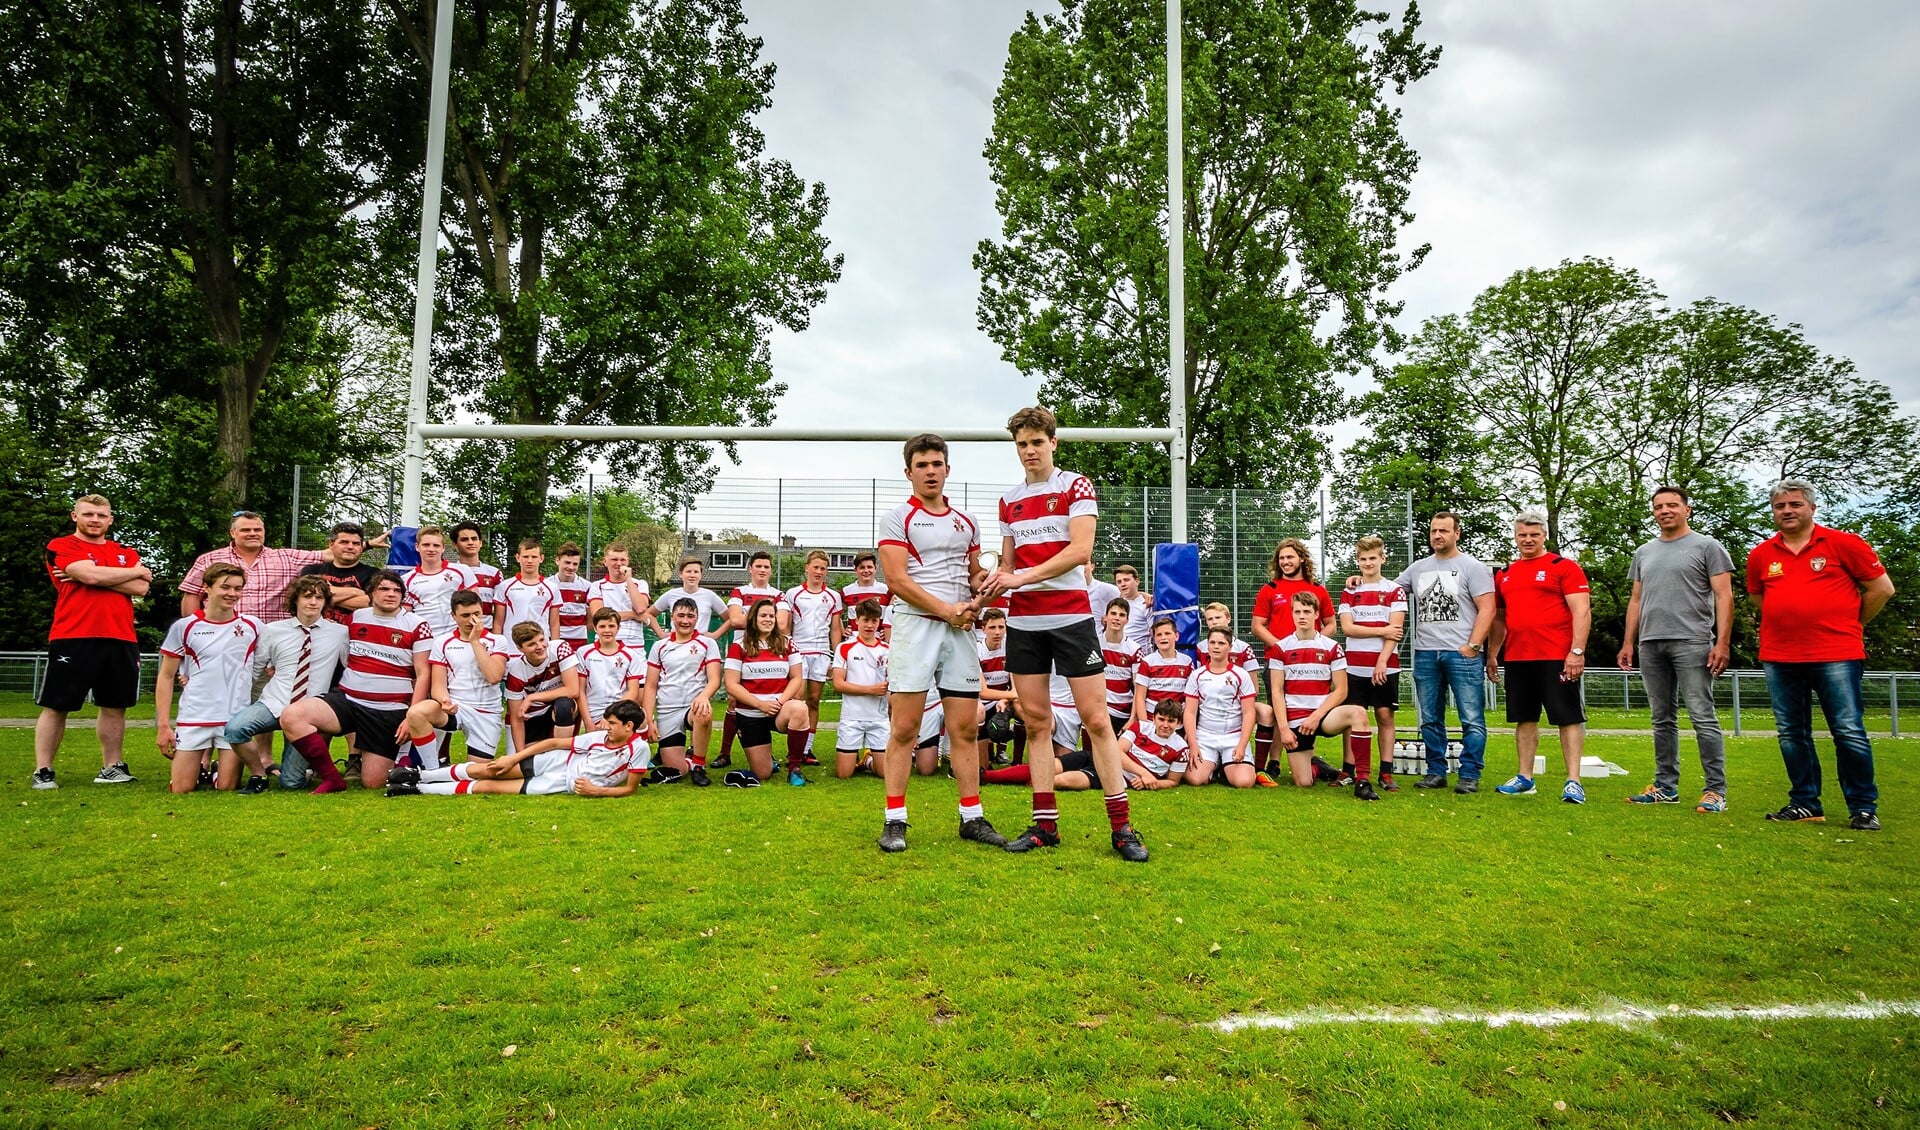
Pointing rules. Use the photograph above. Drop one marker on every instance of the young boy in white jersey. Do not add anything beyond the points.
(860, 676)
(817, 626)
(526, 597)
(542, 688)
(298, 656)
(683, 675)
(573, 588)
(431, 584)
(868, 586)
(217, 645)
(386, 673)
(623, 592)
(466, 668)
(609, 762)
(1217, 615)
(1219, 715)
(1373, 617)
(1161, 674)
(1047, 529)
(467, 544)
(712, 619)
(609, 669)
(999, 723)
(1309, 675)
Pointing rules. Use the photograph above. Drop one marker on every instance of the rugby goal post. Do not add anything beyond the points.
(419, 430)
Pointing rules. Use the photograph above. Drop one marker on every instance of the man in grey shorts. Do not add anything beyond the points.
(1680, 616)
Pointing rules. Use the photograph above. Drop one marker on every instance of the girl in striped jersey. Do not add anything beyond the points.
(1309, 674)
(1161, 675)
(767, 682)
(1219, 715)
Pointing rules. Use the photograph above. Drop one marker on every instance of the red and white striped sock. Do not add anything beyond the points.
(897, 809)
(970, 808)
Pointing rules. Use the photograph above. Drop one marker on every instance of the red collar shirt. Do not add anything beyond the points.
(1810, 600)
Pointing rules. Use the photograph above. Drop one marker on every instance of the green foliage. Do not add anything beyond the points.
(619, 514)
(621, 246)
(1296, 181)
(718, 958)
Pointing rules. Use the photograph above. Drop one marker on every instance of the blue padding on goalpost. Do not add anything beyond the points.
(402, 553)
(1176, 588)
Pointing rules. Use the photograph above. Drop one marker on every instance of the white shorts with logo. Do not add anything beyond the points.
(813, 665)
(1219, 749)
(547, 774)
(668, 721)
(855, 735)
(483, 730)
(924, 653)
(1066, 727)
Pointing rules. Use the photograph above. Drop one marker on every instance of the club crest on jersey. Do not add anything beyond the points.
(1053, 503)
(1541, 575)
(1818, 563)
(1774, 569)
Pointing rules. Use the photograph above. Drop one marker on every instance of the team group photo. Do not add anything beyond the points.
(1037, 563)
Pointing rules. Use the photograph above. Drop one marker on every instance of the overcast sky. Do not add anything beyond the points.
(1756, 152)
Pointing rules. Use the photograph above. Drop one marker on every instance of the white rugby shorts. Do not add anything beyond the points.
(483, 730)
(924, 653)
(813, 665)
(854, 736)
(1219, 749)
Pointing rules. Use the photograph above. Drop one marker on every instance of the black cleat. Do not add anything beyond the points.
(1387, 784)
(403, 788)
(740, 779)
(808, 758)
(980, 832)
(1033, 837)
(1363, 790)
(1127, 842)
(893, 836)
(697, 776)
(1321, 770)
(721, 762)
(403, 775)
(1432, 781)
(1864, 822)
(255, 785)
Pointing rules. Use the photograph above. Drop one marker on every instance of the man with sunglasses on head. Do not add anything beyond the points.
(270, 571)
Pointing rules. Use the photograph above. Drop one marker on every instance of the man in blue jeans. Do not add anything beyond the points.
(1452, 596)
(1817, 588)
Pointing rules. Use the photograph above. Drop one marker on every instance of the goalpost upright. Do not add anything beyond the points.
(419, 430)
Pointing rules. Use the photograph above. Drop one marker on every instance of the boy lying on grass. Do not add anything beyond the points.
(608, 762)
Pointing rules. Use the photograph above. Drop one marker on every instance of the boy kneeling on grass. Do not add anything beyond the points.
(860, 675)
(609, 762)
(1309, 674)
(212, 651)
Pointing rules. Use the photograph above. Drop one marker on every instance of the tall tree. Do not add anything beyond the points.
(621, 245)
(1296, 185)
(180, 178)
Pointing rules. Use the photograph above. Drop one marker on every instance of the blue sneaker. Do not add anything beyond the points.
(1518, 786)
(1654, 794)
(796, 778)
(1574, 793)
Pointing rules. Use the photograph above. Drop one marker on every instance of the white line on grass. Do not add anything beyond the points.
(1619, 1015)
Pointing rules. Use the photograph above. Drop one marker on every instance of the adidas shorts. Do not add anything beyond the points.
(923, 654)
(1072, 651)
(854, 736)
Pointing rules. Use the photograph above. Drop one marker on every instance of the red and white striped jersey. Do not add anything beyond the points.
(466, 686)
(430, 595)
(528, 602)
(866, 665)
(486, 581)
(614, 595)
(679, 669)
(853, 594)
(606, 765)
(573, 607)
(1123, 659)
(524, 679)
(380, 651)
(1036, 516)
(993, 666)
(216, 656)
(1372, 604)
(813, 617)
(1307, 668)
(607, 675)
(1220, 694)
(1164, 677)
(940, 546)
(763, 674)
(1151, 750)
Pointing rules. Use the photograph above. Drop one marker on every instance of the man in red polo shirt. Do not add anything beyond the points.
(1542, 612)
(91, 647)
(1817, 587)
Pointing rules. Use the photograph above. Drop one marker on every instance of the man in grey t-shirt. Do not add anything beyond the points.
(1681, 618)
(1452, 599)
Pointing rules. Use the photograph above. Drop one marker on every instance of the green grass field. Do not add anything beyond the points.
(727, 958)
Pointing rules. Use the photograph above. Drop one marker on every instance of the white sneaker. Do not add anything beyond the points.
(115, 774)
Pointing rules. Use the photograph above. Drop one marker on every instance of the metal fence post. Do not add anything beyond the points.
(1736, 704)
(1323, 534)
(1893, 701)
(589, 560)
(293, 531)
(1233, 541)
(873, 512)
(779, 527)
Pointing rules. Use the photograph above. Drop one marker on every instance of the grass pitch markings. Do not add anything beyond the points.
(1619, 1015)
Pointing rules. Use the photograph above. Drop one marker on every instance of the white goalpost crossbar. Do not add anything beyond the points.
(419, 430)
